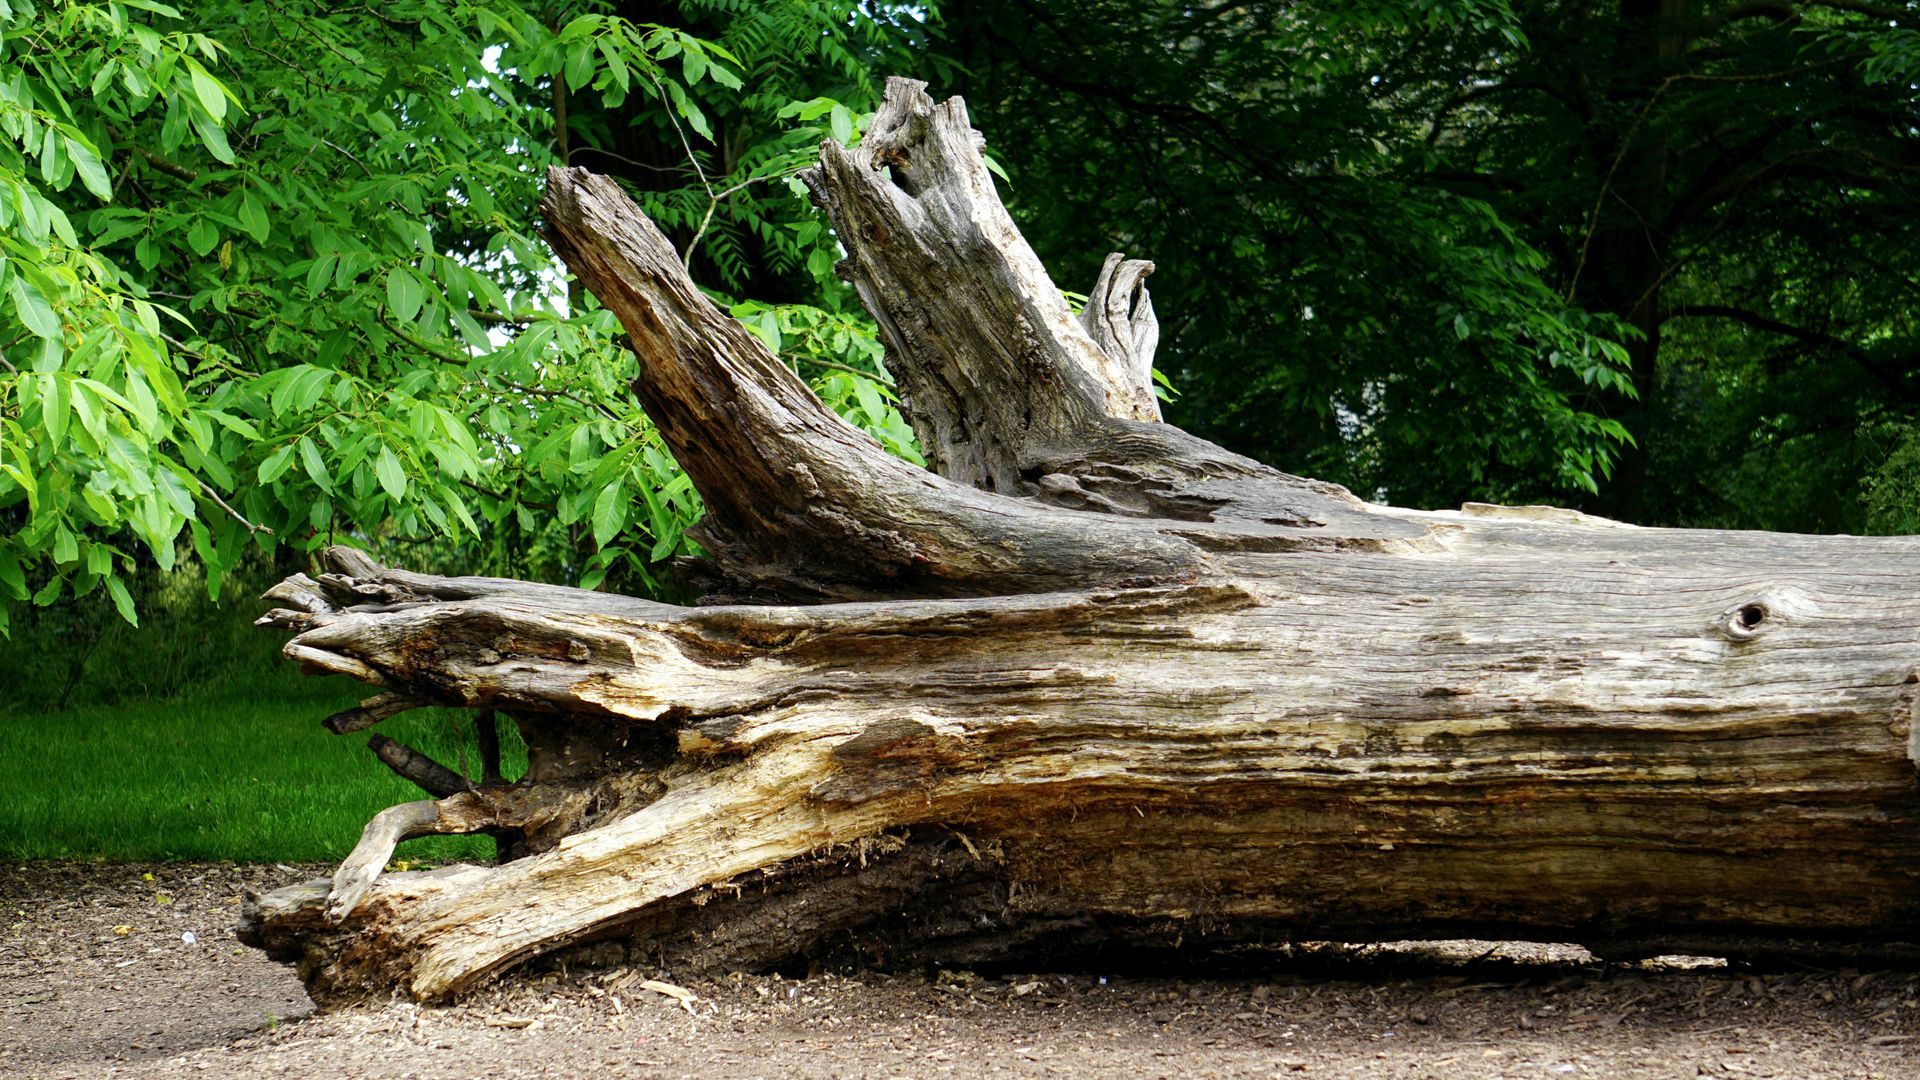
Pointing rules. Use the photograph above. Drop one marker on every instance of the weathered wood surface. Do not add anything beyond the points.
(1094, 682)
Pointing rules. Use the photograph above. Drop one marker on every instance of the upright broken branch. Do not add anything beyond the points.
(1007, 391)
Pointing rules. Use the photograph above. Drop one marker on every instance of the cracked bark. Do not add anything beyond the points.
(1091, 683)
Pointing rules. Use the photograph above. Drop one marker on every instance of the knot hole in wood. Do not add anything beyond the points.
(1745, 621)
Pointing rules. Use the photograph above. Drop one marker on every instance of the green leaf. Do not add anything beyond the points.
(840, 121)
(870, 402)
(580, 65)
(393, 479)
(207, 89)
(609, 513)
(316, 468)
(809, 111)
(306, 388)
(767, 324)
(276, 464)
(616, 64)
(235, 424)
(52, 159)
(688, 110)
(12, 576)
(177, 492)
(664, 546)
(121, 600)
(319, 273)
(213, 137)
(92, 173)
(202, 237)
(404, 294)
(32, 308)
(66, 548)
(253, 218)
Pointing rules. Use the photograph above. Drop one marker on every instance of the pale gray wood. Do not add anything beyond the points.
(363, 865)
(1155, 692)
(1119, 317)
(1564, 729)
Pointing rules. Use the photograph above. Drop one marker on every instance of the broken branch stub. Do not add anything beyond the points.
(1101, 685)
(1119, 317)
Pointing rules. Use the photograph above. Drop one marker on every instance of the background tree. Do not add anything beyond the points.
(1735, 181)
(273, 280)
(1325, 305)
(1415, 239)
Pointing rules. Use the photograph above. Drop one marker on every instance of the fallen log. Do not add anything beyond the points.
(1090, 683)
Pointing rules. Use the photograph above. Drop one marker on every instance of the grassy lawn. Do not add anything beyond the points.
(244, 772)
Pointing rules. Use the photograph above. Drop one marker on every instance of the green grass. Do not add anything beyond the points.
(190, 737)
(243, 772)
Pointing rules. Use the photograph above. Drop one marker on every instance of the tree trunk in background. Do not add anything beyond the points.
(1095, 684)
(1630, 250)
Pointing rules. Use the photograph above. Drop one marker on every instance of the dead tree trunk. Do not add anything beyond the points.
(1092, 682)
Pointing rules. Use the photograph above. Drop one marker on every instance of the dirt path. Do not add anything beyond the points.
(96, 979)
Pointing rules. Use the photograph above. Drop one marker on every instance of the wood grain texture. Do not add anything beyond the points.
(1100, 683)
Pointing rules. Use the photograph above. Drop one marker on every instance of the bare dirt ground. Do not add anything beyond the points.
(99, 977)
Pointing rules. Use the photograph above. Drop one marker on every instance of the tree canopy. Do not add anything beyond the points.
(276, 277)
(1655, 257)
(271, 277)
